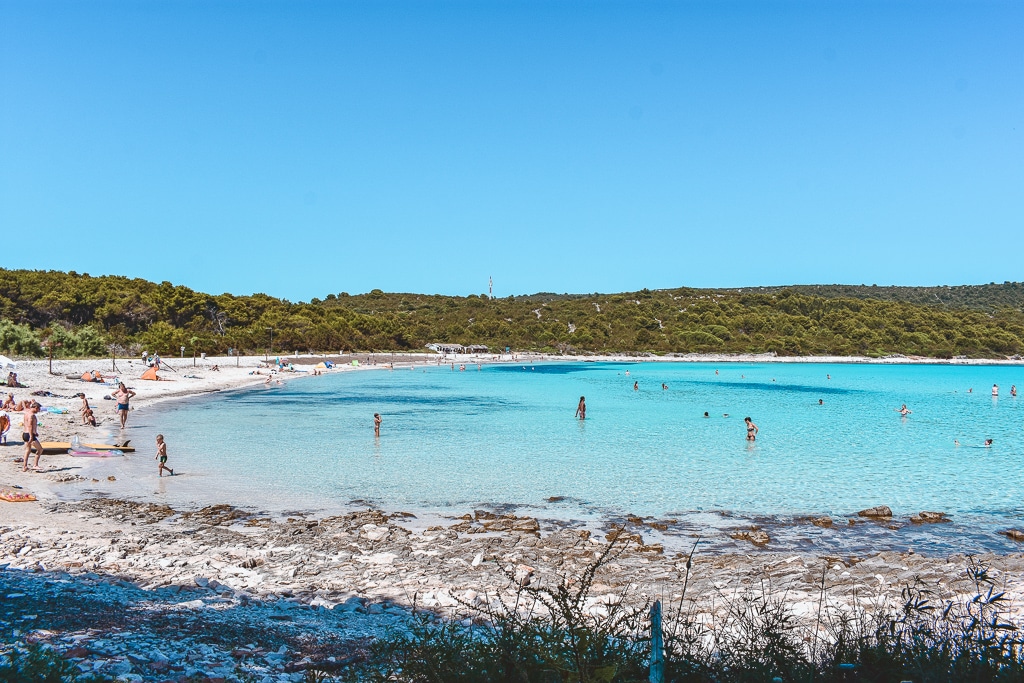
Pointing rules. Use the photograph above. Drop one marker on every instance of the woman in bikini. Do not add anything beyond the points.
(751, 429)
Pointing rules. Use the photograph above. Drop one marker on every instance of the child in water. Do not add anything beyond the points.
(161, 455)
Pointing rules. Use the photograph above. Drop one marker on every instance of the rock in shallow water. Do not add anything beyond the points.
(877, 512)
(755, 536)
(926, 517)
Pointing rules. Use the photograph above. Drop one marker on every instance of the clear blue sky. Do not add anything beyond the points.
(304, 148)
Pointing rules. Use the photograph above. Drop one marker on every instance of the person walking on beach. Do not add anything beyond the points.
(752, 429)
(581, 409)
(30, 434)
(377, 419)
(123, 395)
(161, 455)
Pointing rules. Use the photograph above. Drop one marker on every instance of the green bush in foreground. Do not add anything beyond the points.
(548, 635)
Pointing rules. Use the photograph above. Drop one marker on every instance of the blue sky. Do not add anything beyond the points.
(304, 148)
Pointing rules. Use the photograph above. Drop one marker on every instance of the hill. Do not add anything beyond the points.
(88, 315)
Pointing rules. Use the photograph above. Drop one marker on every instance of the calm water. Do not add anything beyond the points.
(506, 436)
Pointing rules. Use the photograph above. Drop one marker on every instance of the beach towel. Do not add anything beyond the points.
(12, 496)
(150, 374)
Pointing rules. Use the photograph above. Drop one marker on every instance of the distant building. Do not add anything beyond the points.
(447, 348)
(457, 348)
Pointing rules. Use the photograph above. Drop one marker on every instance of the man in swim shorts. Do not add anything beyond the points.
(123, 395)
(30, 436)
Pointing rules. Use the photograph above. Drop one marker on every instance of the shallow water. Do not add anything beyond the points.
(506, 436)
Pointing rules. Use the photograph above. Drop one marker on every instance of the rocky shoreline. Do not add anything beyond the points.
(141, 592)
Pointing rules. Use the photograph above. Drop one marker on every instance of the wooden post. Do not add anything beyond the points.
(657, 674)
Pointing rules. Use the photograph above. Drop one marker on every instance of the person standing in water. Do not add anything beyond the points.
(752, 429)
(377, 419)
(636, 386)
(581, 409)
(904, 410)
(161, 455)
(123, 395)
(995, 391)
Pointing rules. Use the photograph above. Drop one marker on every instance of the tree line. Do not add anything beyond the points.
(79, 315)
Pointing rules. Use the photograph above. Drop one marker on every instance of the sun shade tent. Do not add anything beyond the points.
(150, 374)
(6, 363)
(321, 366)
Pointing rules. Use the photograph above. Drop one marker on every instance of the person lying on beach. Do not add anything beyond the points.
(9, 403)
(161, 455)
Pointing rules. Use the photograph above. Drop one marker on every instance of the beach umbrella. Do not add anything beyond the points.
(6, 363)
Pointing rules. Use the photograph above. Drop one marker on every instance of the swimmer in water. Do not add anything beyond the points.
(1013, 390)
(995, 391)
(903, 410)
(821, 402)
(377, 419)
(987, 444)
(581, 409)
(752, 429)
(706, 414)
(636, 386)
(664, 386)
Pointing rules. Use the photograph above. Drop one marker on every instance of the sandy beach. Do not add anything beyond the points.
(139, 591)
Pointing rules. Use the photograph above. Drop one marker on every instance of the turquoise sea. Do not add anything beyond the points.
(504, 437)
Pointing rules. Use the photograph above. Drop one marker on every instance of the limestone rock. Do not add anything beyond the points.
(926, 517)
(877, 512)
(755, 536)
(1013, 534)
(823, 522)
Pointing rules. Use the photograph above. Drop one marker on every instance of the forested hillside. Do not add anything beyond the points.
(83, 315)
